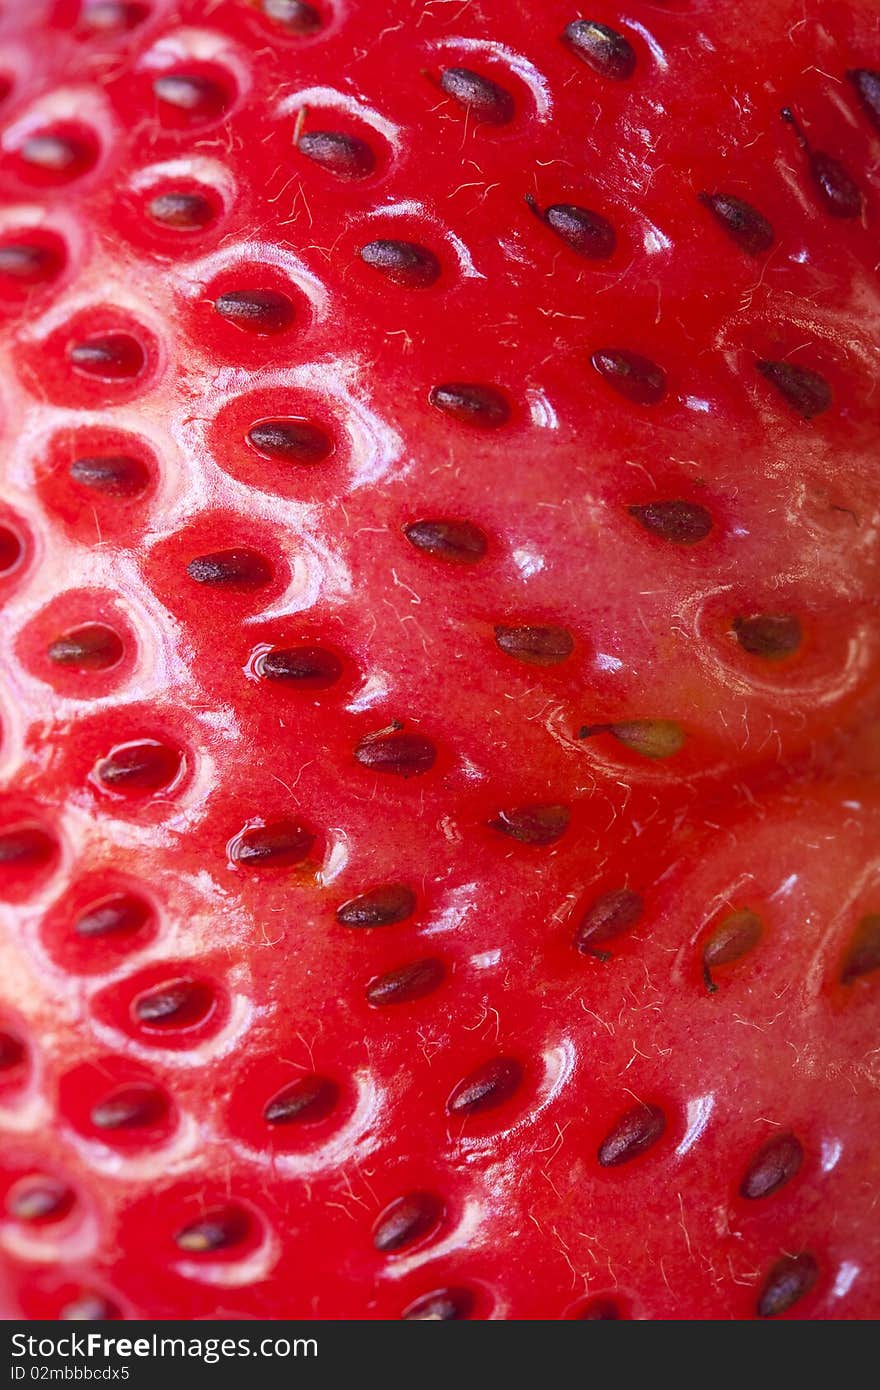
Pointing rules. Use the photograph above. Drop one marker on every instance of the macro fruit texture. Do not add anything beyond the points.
(438, 564)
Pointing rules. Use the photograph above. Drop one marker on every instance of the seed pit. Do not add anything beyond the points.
(537, 646)
(638, 1130)
(222, 1228)
(299, 668)
(178, 1004)
(296, 16)
(139, 768)
(790, 1279)
(396, 752)
(278, 845)
(589, 234)
(406, 983)
(482, 98)
(402, 262)
(117, 915)
(384, 906)
(294, 440)
(29, 263)
(745, 226)
(603, 49)
(863, 955)
(733, 938)
(130, 1107)
(681, 523)
(256, 311)
(26, 846)
(599, 1309)
(805, 391)
(13, 1053)
(481, 406)
(407, 1220)
(346, 156)
(58, 154)
(108, 357)
(443, 1305)
(240, 569)
(39, 1199)
(305, 1101)
(181, 211)
(11, 550)
(867, 87)
(536, 824)
(112, 475)
(771, 636)
(91, 647)
(113, 16)
(609, 916)
(632, 376)
(459, 542)
(486, 1087)
(191, 95)
(650, 738)
(774, 1164)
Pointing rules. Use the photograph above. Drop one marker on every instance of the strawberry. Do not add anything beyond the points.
(438, 837)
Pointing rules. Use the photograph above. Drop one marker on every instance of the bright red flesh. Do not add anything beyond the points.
(433, 487)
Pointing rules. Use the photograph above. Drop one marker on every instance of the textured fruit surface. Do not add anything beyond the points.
(439, 830)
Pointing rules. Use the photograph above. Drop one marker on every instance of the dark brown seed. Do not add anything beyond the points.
(11, 550)
(605, 50)
(108, 356)
(305, 1101)
(114, 475)
(599, 1310)
(92, 647)
(378, 907)
(346, 156)
(608, 917)
(184, 212)
(301, 668)
(56, 154)
(635, 378)
(191, 93)
(650, 738)
(290, 441)
(444, 1305)
(775, 1164)
(407, 1220)
(398, 753)
(482, 406)
(533, 825)
(682, 523)
(122, 914)
(588, 233)
(12, 1052)
(867, 85)
(256, 311)
(280, 844)
(40, 1199)
(139, 767)
(179, 1004)
(295, 15)
(788, 1281)
(479, 95)
(804, 390)
(486, 1087)
(863, 956)
(636, 1131)
(231, 569)
(838, 193)
(216, 1230)
(28, 262)
(26, 845)
(733, 938)
(743, 224)
(538, 646)
(90, 1307)
(406, 983)
(457, 541)
(130, 1107)
(772, 636)
(402, 262)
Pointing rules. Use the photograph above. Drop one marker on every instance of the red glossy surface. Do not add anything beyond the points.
(455, 1111)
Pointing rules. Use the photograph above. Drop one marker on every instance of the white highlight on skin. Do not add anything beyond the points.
(656, 51)
(517, 62)
(197, 274)
(461, 1237)
(559, 1064)
(51, 1247)
(846, 1277)
(80, 106)
(182, 1152)
(198, 168)
(699, 1112)
(323, 98)
(460, 901)
(337, 857)
(485, 960)
(606, 662)
(831, 1152)
(528, 562)
(542, 411)
(373, 690)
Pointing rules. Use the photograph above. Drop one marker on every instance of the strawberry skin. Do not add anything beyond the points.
(438, 574)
